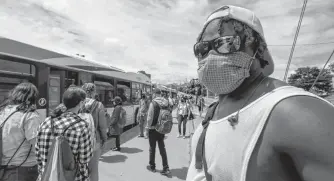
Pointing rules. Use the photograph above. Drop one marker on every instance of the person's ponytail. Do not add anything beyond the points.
(59, 110)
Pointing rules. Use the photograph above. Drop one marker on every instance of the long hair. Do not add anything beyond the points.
(60, 109)
(71, 98)
(24, 95)
(90, 89)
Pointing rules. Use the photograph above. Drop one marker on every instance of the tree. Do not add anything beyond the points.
(331, 66)
(305, 77)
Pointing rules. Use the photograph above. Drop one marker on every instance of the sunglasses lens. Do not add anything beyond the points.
(228, 44)
(201, 49)
(223, 45)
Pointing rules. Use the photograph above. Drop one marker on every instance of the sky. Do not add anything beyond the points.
(158, 35)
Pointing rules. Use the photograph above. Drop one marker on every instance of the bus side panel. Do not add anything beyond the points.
(135, 113)
(42, 85)
(129, 114)
(109, 110)
(42, 114)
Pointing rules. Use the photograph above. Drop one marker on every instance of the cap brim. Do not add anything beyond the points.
(268, 69)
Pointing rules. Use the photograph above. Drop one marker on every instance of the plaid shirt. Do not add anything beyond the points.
(78, 137)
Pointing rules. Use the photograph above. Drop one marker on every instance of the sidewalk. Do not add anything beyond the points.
(130, 164)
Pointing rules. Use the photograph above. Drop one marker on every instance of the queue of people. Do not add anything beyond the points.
(28, 143)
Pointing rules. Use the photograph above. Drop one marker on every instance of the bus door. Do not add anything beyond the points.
(71, 79)
(124, 92)
(55, 89)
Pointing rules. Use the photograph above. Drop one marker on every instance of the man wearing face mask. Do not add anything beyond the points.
(260, 129)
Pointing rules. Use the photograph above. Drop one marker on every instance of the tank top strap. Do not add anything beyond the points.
(278, 94)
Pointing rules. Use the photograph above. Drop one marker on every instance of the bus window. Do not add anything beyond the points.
(123, 91)
(17, 67)
(148, 89)
(105, 91)
(71, 78)
(85, 78)
(136, 92)
(7, 84)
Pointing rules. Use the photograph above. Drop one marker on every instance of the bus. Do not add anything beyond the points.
(53, 73)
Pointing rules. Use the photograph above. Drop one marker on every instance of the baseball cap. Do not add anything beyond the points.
(247, 17)
(157, 91)
(117, 100)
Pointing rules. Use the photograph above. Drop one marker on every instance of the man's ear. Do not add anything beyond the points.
(250, 41)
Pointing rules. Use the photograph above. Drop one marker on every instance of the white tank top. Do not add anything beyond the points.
(228, 150)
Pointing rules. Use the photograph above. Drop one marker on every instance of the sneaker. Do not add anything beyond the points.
(140, 136)
(165, 172)
(116, 149)
(184, 137)
(179, 136)
(151, 169)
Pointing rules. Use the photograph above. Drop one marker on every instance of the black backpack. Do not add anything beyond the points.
(3, 168)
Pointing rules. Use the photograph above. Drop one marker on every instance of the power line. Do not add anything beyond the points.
(295, 39)
(307, 44)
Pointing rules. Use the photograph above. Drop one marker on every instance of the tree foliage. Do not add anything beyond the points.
(331, 67)
(305, 77)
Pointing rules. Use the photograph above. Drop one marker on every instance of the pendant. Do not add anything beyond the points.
(233, 120)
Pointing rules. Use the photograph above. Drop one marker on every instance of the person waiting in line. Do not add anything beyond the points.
(115, 128)
(154, 136)
(190, 103)
(200, 104)
(65, 120)
(170, 102)
(142, 114)
(19, 123)
(183, 112)
(97, 110)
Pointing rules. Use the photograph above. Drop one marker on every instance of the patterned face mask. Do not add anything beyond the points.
(222, 74)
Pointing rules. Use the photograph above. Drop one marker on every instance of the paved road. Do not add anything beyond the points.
(130, 164)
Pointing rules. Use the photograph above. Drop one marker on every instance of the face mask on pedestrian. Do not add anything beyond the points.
(222, 74)
(223, 66)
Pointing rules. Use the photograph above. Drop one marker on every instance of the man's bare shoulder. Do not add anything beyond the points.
(303, 126)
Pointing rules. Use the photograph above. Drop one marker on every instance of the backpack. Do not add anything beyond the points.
(91, 125)
(61, 165)
(87, 116)
(3, 168)
(183, 109)
(165, 120)
(122, 118)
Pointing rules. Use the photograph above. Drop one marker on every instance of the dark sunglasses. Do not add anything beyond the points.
(222, 45)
